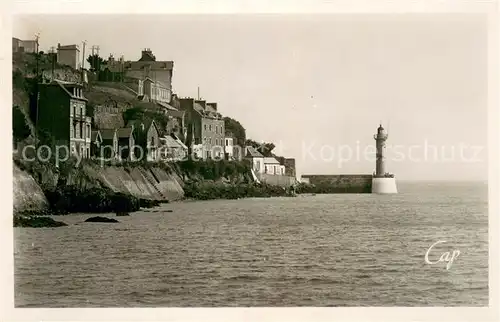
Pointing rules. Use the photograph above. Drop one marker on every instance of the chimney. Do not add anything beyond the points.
(58, 45)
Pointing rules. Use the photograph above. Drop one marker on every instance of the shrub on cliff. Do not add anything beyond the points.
(213, 190)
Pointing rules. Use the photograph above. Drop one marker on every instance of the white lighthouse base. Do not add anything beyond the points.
(384, 185)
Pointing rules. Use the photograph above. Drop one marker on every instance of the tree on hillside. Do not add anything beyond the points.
(265, 148)
(235, 127)
(20, 129)
(143, 114)
(95, 62)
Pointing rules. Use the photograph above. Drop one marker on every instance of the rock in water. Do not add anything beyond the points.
(122, 213)
(101, 219)
(36, 222)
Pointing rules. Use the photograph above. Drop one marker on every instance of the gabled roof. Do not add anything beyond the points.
(137, 124)
(108, 134)
(95, 134)
(167, 106)
(270, 160)
(170, 142)
(124, 132)
(140, 135)
(253, 153)
(63, 85)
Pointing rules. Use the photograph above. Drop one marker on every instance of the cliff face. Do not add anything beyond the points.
(27, 194)
(152, 184)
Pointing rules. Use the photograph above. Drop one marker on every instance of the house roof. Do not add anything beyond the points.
(95, 134)
(270, 160)
(179, 141)
(124, 132)
(67, 47)
(211, 109)
(64, 85)
(140, 135)
(108, 134)
(175, 113)
(153, 65)
(170, 142)
(253, 153)
(167, 106)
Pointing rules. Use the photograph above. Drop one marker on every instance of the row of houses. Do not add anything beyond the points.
(194, 125)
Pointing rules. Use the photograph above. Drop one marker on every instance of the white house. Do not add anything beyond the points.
(153, 91)
(272, 166)
(257, 159)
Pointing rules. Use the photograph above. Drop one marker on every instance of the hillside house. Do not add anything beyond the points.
(62, 116)
(205, 127)
(126, 143)
(112, 70)
(148, 67)
(153, 91)
(173, 149)
(273, 167)
(256, 158)
(69, 55)
(24, 46)
(109, 145)
(147, 140)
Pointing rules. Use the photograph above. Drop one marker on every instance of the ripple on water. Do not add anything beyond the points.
(328, 250)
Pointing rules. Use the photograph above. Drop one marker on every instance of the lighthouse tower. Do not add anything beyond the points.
(382, 182)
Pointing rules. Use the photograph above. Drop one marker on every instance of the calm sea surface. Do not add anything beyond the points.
(323, 250)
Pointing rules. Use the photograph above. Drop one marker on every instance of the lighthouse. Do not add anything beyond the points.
(382, 181)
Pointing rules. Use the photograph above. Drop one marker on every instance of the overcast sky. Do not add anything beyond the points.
(320, 84)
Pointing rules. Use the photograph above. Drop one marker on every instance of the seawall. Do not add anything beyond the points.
(277, 180)
(152, 183)
(344, 183)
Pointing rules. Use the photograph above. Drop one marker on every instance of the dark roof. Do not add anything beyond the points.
(252, 152)
(167, 106)
(63, 85)
(140, 135)
(124, 132)
(68, 47)
(108, 134)
(175, 113)
(94, 134)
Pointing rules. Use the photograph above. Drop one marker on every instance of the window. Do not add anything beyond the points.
(210, 140)
(216, 129)
(71, 131)
(205, 127)
(210, 127)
